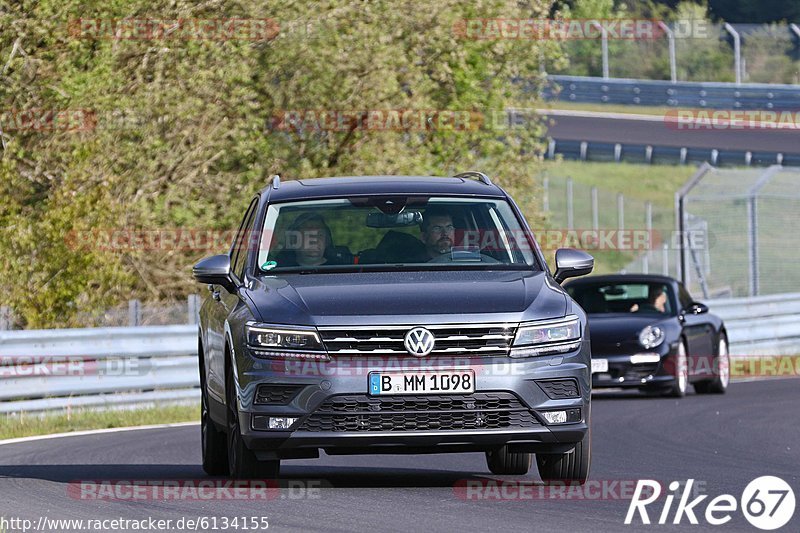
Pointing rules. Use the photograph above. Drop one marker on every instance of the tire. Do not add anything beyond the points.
(681, 372)
(569, 468)
(722, 370)
(214, 442)
(242, 462)
(505, 463)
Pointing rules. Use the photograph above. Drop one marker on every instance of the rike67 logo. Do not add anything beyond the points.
(767, 502)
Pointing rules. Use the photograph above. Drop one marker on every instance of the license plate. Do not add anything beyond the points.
(460, 382)
(599, 365)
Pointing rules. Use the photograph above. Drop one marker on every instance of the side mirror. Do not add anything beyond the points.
(696, 308)
(215, 270)
(571, 263)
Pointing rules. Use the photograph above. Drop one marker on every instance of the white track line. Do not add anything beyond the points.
(95, 432)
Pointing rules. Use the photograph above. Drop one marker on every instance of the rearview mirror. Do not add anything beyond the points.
(571, 263)
(394, 220)
(215, 270)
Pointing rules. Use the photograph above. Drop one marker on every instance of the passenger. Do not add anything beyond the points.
(437, 231)
(308, 241)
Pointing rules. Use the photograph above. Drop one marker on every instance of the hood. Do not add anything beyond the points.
(618, 333)
(399, 297)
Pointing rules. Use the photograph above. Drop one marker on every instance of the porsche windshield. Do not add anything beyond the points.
(374, 233)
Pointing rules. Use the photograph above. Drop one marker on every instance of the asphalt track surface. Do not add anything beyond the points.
(656, 131)
(723, 442)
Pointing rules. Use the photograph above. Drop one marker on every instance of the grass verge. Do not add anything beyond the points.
(26, 425)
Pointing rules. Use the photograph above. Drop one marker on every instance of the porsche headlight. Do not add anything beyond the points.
(284, 342)
(545, 338)
(651, 336)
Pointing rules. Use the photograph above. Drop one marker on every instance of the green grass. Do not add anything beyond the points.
(608, 108)
(27, 424)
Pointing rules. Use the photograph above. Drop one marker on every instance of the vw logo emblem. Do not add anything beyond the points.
(419, 342)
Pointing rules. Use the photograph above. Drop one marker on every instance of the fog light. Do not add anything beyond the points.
(562, 417)
(281, 422)
(555, 417)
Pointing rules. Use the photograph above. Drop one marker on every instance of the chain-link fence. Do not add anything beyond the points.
(623, 233)
(751, 219)
(698, 51)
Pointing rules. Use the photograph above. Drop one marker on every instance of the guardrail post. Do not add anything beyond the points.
(134, 313)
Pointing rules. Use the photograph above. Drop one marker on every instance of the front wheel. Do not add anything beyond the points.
(571, 467)
(722, 370)
(242, 462)
(680, 372)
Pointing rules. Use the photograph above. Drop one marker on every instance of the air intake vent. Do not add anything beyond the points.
(560, 389)
(276, 394)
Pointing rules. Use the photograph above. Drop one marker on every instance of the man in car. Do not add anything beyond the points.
(656, 301)
(437, 232)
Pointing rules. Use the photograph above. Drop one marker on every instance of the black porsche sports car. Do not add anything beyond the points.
(648, 332)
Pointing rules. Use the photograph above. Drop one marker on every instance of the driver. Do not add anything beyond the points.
(437, 232)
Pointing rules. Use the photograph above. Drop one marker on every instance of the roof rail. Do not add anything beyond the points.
(475, 174)
(276, 181)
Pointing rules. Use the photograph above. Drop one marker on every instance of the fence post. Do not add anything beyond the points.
(5, 318)
(134, 313)
(595, 211)
(737, 52)
(546, 195)
(570, 212)
(673, 70)
(648, 223)
(665, 259)
(620, 218)
(604, 47)
(193, 309)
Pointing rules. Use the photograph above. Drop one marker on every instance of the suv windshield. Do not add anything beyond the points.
(416, 233)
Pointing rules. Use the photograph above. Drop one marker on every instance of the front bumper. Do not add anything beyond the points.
(363, 430)
(625, 371)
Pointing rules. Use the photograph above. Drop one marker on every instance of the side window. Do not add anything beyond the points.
(683, 296)
(243, 240)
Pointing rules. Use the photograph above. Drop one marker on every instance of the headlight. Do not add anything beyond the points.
(544, 338)
(279, 342)
(651, 336)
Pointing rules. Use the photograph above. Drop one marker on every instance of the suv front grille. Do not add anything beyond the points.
(453, 339)
(362, 413)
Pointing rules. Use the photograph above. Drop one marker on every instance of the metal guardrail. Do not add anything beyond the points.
(673, 94)
(43, 370)
(153, 365)
(761, 325)
(654, 154)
